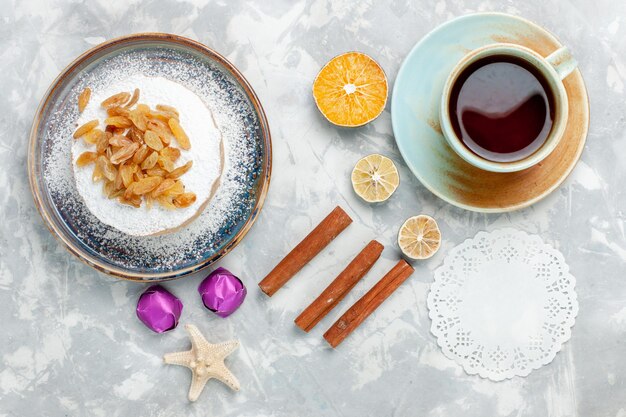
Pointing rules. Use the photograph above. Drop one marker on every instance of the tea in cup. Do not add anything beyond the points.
(504, 107)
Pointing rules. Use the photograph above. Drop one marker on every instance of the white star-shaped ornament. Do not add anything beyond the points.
(205, 360)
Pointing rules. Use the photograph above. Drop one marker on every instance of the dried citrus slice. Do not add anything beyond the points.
(351, 90)
(375, 178)
(419, 237)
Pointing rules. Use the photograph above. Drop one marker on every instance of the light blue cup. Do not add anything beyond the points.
(554, 69)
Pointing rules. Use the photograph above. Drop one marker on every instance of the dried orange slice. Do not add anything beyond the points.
(419, 237)
(351, 90)
(375, 178)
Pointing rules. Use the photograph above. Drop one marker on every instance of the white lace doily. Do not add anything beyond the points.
(502, 304)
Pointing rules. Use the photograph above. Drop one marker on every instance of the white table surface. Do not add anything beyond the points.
(72, 346)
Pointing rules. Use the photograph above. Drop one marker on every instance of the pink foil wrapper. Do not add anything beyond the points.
(222, 292)
(159, 309)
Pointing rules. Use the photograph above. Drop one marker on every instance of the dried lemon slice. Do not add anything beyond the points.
(375, 178)
(351, 90)
(419, 237)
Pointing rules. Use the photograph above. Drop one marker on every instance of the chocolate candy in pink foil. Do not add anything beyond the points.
(222, 292)
(159, 309)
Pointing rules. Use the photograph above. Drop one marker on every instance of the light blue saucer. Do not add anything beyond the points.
(415, 117)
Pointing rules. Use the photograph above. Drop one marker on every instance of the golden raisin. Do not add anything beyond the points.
(164, 186)
(116, 100)
(124, 153)
(167, 202)
(117, 194)
(108, 188)
(152, 140)
(156, 172)
(148, 201)
(119, 183)
(97, 174)
(87, 127)
(146, 185)
(83, 99)
(161, 129)
(170, 152)
(166, 163)
(180, 170)
(141, 154)
(138, 118)
(165, 138)
(179, 134)
(133, 201)
(86, 158)
(159, 116)
(92, 136)
(128, 194)
(118, 111)
(168, 109)
(150, 161)
(135, 135)
(103, 143)
(176, 189)
(120, 141)
(118, 121)
(185, 200)
(134, 99)
(126, 172)
(107, 168)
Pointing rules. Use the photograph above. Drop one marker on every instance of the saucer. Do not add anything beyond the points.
(415, 117)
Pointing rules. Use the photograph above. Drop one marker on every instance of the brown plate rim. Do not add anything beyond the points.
(266, 168)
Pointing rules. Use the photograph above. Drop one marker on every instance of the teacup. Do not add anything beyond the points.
(552, 69)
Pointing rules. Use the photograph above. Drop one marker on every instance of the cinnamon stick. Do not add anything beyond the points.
(341, 286)
(311, 245)
(366, 305)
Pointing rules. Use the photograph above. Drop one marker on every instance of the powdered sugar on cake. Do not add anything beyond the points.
(235, 198)
(206, 153)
